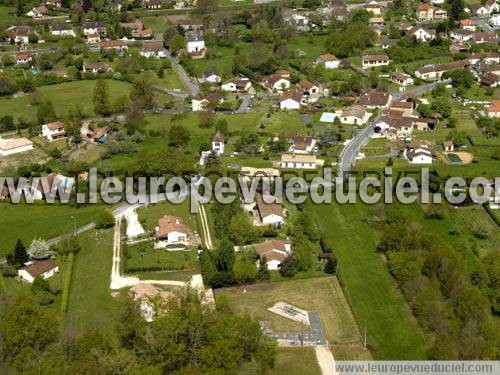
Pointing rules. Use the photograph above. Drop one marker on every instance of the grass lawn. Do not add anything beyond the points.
(157, 23)
(392, 331)
(27, 221)
(143, 256)
(296, 361)
(8, 16)
(90, 302)
(149, 216)
(61, 95)
(322, 294)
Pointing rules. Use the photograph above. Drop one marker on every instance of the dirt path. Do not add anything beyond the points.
(325, 360)
(206, 228)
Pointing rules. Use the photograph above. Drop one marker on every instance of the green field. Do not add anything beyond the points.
(61, 95)
(322, 294)
(8, 16)
(143, 257)
(90, 302)
(40, 220)
(296, 361)
(392, 331)
(148, 216)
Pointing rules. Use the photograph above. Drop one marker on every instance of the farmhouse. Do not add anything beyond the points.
(401, 78)
(302, 144)
(265, 173)
(278, 81)
(328, 60)
(14, 146)
(291, 99)
(273, 252)
(22, 57)
(434, 72)
(195, 45)
(370, 61)
(270, 213)
(493, 110)
(468, 24)
(462, 35)
(54, 130)
(298, 161)
(117, 45)
(427, 12)
(418, 153)
(375, 99)
(172, 231)
(43, 268)
(97, 67)
(20, 34)
(353, 115)
(240, 84)
(153, 49)
(61, 29)
(423, 34)
(38, 12)
(211, 76)
(94, 27)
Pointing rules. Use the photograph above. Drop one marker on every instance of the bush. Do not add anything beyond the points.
(104, 220)
(9, 271)
(288, 267)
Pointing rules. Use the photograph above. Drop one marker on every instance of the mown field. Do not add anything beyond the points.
(296, 361)
(378, 306)
(29, 221)
(322, 294)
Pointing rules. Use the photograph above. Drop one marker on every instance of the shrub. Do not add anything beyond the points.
(104, 220)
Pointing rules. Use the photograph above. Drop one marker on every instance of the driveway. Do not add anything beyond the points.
(245, 103)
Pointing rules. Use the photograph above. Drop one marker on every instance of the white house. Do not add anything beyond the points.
(172, 231)
(14, 146)
(38, 12)
(195, 45)
(423, 34)
(418, 153)
(241, 84)
(493, 110)
(61, 29)
(462, 35)
(448, 146)
(94, 27)
(298, 161)
(371, 61)
(20, 34)
(218, 143)
(54, 130)
(302, 144)
(468, 24)
(98, 67)
(153, 49)
(353, 115)
(211, 76)
(273, 252)
(495, 21)
(43, 268)
(328, 60)
(23, 57)
(278, 81)
(291, 99)
(401, 78)
(270, 213)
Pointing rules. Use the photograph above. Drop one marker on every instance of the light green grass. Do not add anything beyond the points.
(28, 221)
(150, 215)
(296, 361)
(377, 304)
(144, 256)
(321, 294)
(61, 95)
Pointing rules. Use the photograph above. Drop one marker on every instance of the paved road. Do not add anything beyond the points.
(483, 24)
(417, 91)
(314, 335)
(191, 86)
(245, 103)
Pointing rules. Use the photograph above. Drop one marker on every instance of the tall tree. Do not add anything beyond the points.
(224, 256)
(87, 5)
(102, 104)
(20, 254)
(143, 92)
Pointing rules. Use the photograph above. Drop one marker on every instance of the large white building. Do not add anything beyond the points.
(14, 146)
(53, 130)
(43, 268)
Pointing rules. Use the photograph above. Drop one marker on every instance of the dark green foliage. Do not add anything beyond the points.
(20, 254)
(104, 220)
(331, 264)
(288, 267)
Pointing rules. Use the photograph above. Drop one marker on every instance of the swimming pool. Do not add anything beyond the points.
(454, 158)
(327, 117)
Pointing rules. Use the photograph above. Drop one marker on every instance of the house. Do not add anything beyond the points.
(492, 58)
(93, 38)
(195, 45)
(43, 268)
(328, 60)
(299, 21)
(20, 34)
(203, 103)
(241, 84)
(54, 130)
(292, 161)
(270, 213)
(493, 110)
(479, 10)
(302, 144)
(291, 99)
(492, 6)
(401, 78)
(153, 49)
(273, 252)
(400, 126)
(418, 153)
(374, 8)
(53, 3)
(190, 25)
(268, 174)
(376, 21)
(448, 146)
(278, 81)
(353, 115)
(370, 61)
(485, 38)
(462, 35)
(116, 45)
(495, 21)
(136, 29)
(22, 57)
(211, 76)
(375, 99)
(98, 67)
(490, 79)
(468, 24)
(61, 29)
(152, 4)
(218, 143)
(100, 135)
(171, 231)
(151, 301)
(10, 146)
(427, 12)
(94, 27)
(434, 72)
(422, 34)
(38, 12)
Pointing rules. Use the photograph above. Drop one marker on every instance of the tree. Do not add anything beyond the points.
(331, 264)
(263, 273)
(135, 118)
(244, 272)
(39, 249)
(460, 78)
(241, 230)
(102, 104)
(20, 8)
(176, 43)
(288, 268)
(221, 126)
(442, 105)
(178, 135)
(457, 8)
(20, 254)
(87, 5)
(142, 92)
(224, 256)
(46, 112)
